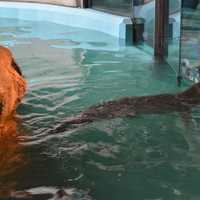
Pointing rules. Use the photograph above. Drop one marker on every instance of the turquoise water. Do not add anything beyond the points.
(150, 157)
(191, 35)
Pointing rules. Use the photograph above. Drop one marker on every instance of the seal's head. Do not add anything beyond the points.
(12, 84)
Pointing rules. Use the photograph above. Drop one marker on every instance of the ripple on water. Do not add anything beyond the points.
(69, 69)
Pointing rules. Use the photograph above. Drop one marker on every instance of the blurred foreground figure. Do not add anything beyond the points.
(12, 89)
(12, 157)
(12, 85)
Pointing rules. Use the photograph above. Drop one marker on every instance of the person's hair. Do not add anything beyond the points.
(16, 67)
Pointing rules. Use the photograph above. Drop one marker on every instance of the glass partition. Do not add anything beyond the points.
(190, 41)
(174, 35)
(183, 30)
(146, 10)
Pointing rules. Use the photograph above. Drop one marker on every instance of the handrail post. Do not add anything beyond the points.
(86, 3)
(161, 29)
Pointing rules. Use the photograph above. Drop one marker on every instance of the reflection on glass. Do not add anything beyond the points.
(191, 40)
(146, 9)
(174, 34)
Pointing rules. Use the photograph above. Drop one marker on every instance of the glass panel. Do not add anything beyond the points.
(190, 51)
(174, 34)
(123, 7)
(146, 11)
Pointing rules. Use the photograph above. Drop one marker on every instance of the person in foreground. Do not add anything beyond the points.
(12, 89)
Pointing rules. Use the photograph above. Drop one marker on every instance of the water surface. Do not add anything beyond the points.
(150, 157)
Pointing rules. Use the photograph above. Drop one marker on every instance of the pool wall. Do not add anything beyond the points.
(83, 18)
(71, 3)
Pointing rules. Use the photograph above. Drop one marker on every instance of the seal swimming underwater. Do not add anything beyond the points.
(132, 106)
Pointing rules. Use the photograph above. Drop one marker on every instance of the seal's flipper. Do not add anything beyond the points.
(131, 114)
(70, 124)
(186, 118)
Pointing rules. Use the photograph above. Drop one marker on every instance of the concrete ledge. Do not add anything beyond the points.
(83, 18)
